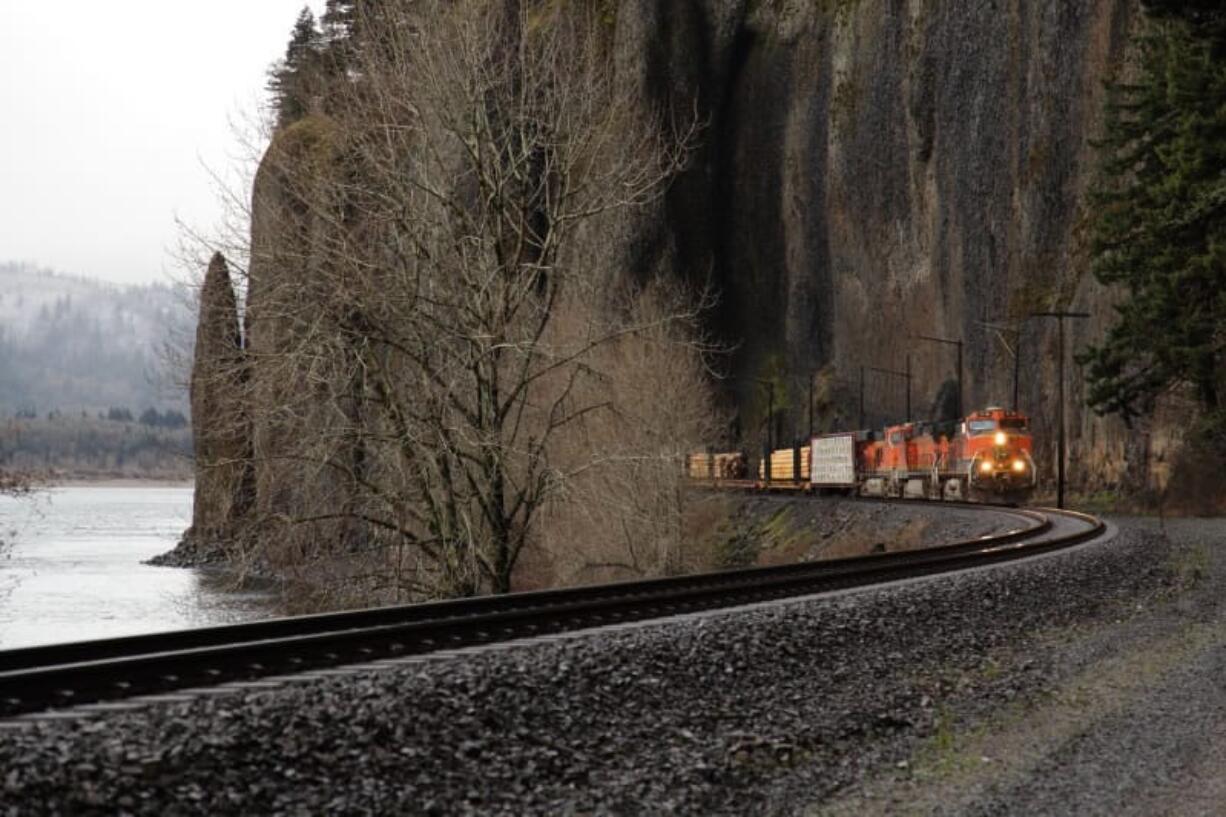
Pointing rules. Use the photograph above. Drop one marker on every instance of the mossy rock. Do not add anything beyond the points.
(310, 144)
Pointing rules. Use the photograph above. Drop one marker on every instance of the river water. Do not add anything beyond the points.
(71, 567)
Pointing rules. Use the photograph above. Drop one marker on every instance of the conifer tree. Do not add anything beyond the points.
(338, 19)
(292, 81)
(1159, 228)
(1208, 17)
(340, 32)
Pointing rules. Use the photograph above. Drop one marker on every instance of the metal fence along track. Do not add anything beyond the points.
(39, 678)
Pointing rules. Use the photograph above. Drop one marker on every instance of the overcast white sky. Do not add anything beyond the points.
(110, 113)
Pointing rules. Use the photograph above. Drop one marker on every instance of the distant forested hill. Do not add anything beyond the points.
(72, 345)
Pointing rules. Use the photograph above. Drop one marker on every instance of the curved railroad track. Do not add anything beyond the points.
(35, 679)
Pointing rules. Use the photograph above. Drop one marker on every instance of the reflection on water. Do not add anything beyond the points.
(70, 568)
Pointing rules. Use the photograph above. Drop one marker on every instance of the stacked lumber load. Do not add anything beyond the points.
(783, 465)
(727, 465)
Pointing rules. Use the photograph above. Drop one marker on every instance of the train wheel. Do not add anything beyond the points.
(955, 489)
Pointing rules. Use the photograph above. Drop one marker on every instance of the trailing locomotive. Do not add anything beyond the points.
(987, 456)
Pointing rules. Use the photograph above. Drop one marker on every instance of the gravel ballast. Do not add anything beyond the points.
(766, 710)
(770, 529)
(1130, 721)
(822, 518)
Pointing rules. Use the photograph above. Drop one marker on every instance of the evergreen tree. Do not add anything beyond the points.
(1207, 16)
(338, 19)
(340, 24)
(1160, 217)
(292, 81)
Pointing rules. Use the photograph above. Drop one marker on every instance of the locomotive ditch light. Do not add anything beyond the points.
(1001, 438)
(986, 467)
(1019, 466)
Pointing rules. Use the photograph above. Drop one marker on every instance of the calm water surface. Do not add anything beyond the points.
(70, 568)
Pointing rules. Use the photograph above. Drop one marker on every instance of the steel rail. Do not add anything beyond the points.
(39, 678)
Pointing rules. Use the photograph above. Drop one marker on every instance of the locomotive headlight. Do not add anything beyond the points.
(1019, 466)
(985, 467)
(1001, 438)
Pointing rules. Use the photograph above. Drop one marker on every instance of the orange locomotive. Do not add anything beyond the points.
(987, 456)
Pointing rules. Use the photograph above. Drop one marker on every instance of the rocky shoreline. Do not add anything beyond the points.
(193, 552)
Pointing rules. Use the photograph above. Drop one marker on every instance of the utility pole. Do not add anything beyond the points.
(812, 375)
(770, 415)
(1017, 356)
(908, 388)
(1061, 444)
(861, 397)
(1017, 360)
(950, 342)
(961, 401)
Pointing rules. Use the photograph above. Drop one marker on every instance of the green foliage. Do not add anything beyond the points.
(170, 419)
(749, 536)
(292, 81)
(341, 28)
(311, 144)
(1160, 223)
(739, 549)
(1208, 16)
(320, 57)
(769, 398)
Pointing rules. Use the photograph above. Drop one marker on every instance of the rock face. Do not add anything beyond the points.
(219, 423)
(871, 170)
(281, 305)
(300, 384)
(877, 170)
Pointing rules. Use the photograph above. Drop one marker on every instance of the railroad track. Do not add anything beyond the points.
(36, 679)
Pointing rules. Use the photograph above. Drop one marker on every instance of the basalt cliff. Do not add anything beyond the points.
(870, 171)
(879, 170)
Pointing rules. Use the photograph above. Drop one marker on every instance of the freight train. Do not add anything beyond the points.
(987, 456)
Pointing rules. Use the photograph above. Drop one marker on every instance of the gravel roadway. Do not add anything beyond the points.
(1025, 688)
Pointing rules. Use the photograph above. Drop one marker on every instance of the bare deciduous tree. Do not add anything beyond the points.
(13, 485)
(417, 400)
(625, 501)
